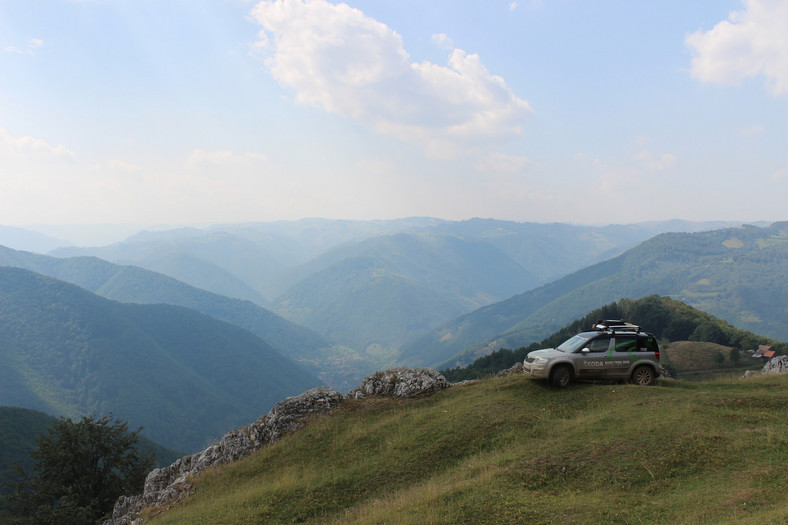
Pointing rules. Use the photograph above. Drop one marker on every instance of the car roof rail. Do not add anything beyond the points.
(615, 325)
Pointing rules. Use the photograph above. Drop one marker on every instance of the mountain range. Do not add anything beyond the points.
(182, 375)
(736, 274)
(371, 286)
(331, 301)
(130, 284)
(28, 240)
(365, 295)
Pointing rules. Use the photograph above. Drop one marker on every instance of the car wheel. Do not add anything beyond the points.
(643, 376)
(561, 376)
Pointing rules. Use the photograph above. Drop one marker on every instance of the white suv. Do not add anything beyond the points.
(613, 350)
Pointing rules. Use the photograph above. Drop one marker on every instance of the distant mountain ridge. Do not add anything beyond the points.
(736, 274)
(410, 281)
(247, 261)
(372, 285)
(131, 284)
(32, 241)
(182, 375)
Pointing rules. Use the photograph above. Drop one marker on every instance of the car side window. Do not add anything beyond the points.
(600, 344)
(647, 344)
(626, 343)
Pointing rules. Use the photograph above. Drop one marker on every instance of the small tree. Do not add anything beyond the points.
(735, 355)
(81, 468)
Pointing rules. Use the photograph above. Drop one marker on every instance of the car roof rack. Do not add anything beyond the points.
(615, 325)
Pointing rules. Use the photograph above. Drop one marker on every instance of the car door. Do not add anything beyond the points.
(591, 360)
(622, 356)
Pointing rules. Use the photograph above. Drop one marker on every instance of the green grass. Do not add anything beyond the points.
(511, 450)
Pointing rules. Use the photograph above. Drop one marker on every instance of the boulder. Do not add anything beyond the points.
(776, 365)
(400, 382)
(515, 370)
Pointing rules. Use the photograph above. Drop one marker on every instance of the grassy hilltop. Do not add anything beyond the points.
(511, 450)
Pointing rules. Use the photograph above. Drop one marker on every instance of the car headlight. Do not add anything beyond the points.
(540, 360)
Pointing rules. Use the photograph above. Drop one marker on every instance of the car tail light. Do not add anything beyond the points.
(657, 354)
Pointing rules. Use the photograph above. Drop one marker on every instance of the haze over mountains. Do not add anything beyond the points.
(373, 285)
(28, 240)
(344, 298)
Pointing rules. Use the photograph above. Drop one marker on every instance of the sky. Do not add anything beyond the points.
(225, 111)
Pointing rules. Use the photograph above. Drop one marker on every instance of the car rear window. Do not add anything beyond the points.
(648, 344)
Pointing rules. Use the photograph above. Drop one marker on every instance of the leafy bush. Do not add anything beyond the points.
(80, 469)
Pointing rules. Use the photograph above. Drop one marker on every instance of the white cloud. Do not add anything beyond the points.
(222, 157)
(780, 174)
(751, 42)
(28, 144)
(663, 162)
(119, 165)
(336, 58)
(614, 178)
(653, 162)
(756, 129)
(443, 41)
(501, 163)
(29, 48)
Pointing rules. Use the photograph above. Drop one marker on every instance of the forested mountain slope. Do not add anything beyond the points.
(372, 285)
(247, 261)
(131, 284)
(386, 290)
(182, 375)
(736, 274)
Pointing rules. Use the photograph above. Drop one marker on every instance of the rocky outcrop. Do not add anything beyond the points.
(776, 365)
(515, 370)
(400, 382)
(165, 487)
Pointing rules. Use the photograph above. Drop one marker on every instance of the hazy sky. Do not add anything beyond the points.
(184, 111)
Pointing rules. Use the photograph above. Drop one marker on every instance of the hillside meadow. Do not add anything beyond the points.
(512, 450)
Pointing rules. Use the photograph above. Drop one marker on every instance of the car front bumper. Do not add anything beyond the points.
(535, 370)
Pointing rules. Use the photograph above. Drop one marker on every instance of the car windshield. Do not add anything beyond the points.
(573, 344)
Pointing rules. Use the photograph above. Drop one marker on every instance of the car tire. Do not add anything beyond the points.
(561, 376)
(643, 376)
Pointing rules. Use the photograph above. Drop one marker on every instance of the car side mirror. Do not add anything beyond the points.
(585, 351)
